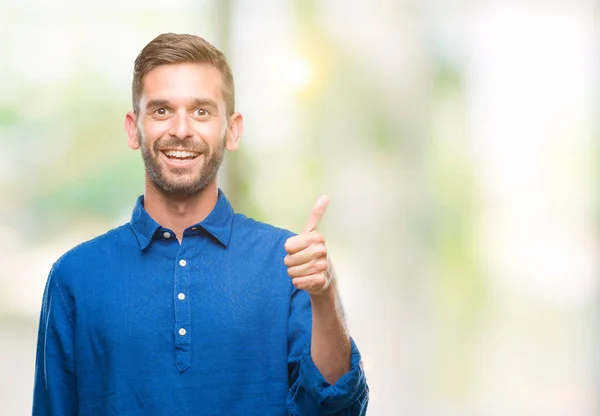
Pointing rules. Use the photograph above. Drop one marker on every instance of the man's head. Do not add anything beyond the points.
(183, 118)
(171, 48)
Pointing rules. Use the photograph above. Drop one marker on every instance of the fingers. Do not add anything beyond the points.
(316, 213)
(301, 241)
(314, 251)
(307, 260)
(313, 284)
(313, 266)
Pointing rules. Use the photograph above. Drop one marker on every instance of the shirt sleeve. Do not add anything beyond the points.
(54, 390)
(310, 393)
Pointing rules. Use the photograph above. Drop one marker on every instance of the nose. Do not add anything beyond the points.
(181, 127)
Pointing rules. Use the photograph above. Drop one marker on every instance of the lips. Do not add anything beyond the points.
(180, 154)
(180, 159)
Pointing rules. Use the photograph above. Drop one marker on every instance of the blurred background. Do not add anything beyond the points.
(458, 141)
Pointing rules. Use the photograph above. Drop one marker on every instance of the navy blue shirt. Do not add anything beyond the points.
(134, 323)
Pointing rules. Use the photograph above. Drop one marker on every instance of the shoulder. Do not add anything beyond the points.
(248, 226)
(93, 253)
(258, 238)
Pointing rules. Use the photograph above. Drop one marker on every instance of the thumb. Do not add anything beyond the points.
(316, 213)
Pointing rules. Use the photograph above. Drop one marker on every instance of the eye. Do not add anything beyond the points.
(201, 112)
(160, 113)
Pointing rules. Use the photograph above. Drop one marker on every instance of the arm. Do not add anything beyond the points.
(310, 394)
(55, 391)
(330, 378)
(330, 345)
(310, 269)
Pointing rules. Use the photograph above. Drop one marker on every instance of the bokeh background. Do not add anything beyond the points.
(458, 141)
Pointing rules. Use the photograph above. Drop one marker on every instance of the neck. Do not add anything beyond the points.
(178, 212)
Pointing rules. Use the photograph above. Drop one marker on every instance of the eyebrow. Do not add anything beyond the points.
(206, 102)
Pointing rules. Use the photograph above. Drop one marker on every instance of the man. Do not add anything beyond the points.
(190, 308)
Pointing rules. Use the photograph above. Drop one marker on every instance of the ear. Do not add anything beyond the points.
(132, 130)
(234, 131)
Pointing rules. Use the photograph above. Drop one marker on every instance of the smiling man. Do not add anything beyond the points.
(190, 308)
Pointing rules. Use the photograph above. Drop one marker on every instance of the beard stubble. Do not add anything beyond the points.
(168, 183)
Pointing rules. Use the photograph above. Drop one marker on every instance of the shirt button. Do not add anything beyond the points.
(182, 331)
(167, 234)
(182, 262)
(181, 296)
(194, 228)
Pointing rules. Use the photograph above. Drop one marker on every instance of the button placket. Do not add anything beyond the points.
(182, 327)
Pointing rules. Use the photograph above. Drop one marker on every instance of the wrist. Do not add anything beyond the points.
(325, 297)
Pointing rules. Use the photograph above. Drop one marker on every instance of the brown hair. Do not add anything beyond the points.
(171, 48)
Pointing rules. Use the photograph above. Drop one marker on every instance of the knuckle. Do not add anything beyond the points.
(319, 250)
(299, 285)
(292, 242)
(320, 266)
(318, 237)
(318, 283)
(307, 268)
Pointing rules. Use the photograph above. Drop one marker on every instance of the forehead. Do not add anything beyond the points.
(176, 82)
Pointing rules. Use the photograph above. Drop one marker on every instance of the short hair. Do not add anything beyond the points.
(171, 48)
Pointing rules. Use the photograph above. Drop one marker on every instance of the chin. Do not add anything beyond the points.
(185, 188)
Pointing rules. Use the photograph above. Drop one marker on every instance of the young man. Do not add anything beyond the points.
(190, 308)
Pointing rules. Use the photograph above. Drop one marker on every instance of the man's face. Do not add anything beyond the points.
(182, 127)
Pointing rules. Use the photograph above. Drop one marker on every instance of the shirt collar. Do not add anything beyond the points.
(142, 224)
(217, 223)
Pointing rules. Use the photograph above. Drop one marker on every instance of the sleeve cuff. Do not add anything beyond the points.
(348, 389)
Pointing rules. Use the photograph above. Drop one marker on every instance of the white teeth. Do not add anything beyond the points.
(180, 153)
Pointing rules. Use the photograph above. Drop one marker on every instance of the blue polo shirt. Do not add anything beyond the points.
(134, 323)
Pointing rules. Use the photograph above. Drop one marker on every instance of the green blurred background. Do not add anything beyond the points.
(457, 140)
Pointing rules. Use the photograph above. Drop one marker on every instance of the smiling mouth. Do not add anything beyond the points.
(180, 154)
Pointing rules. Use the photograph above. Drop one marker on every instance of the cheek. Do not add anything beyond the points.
(154, 130)
(211, 133)
(151, 133)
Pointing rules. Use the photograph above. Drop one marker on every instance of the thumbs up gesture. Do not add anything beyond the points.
(307, 261)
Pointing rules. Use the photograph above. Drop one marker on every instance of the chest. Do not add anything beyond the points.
(169, 297)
